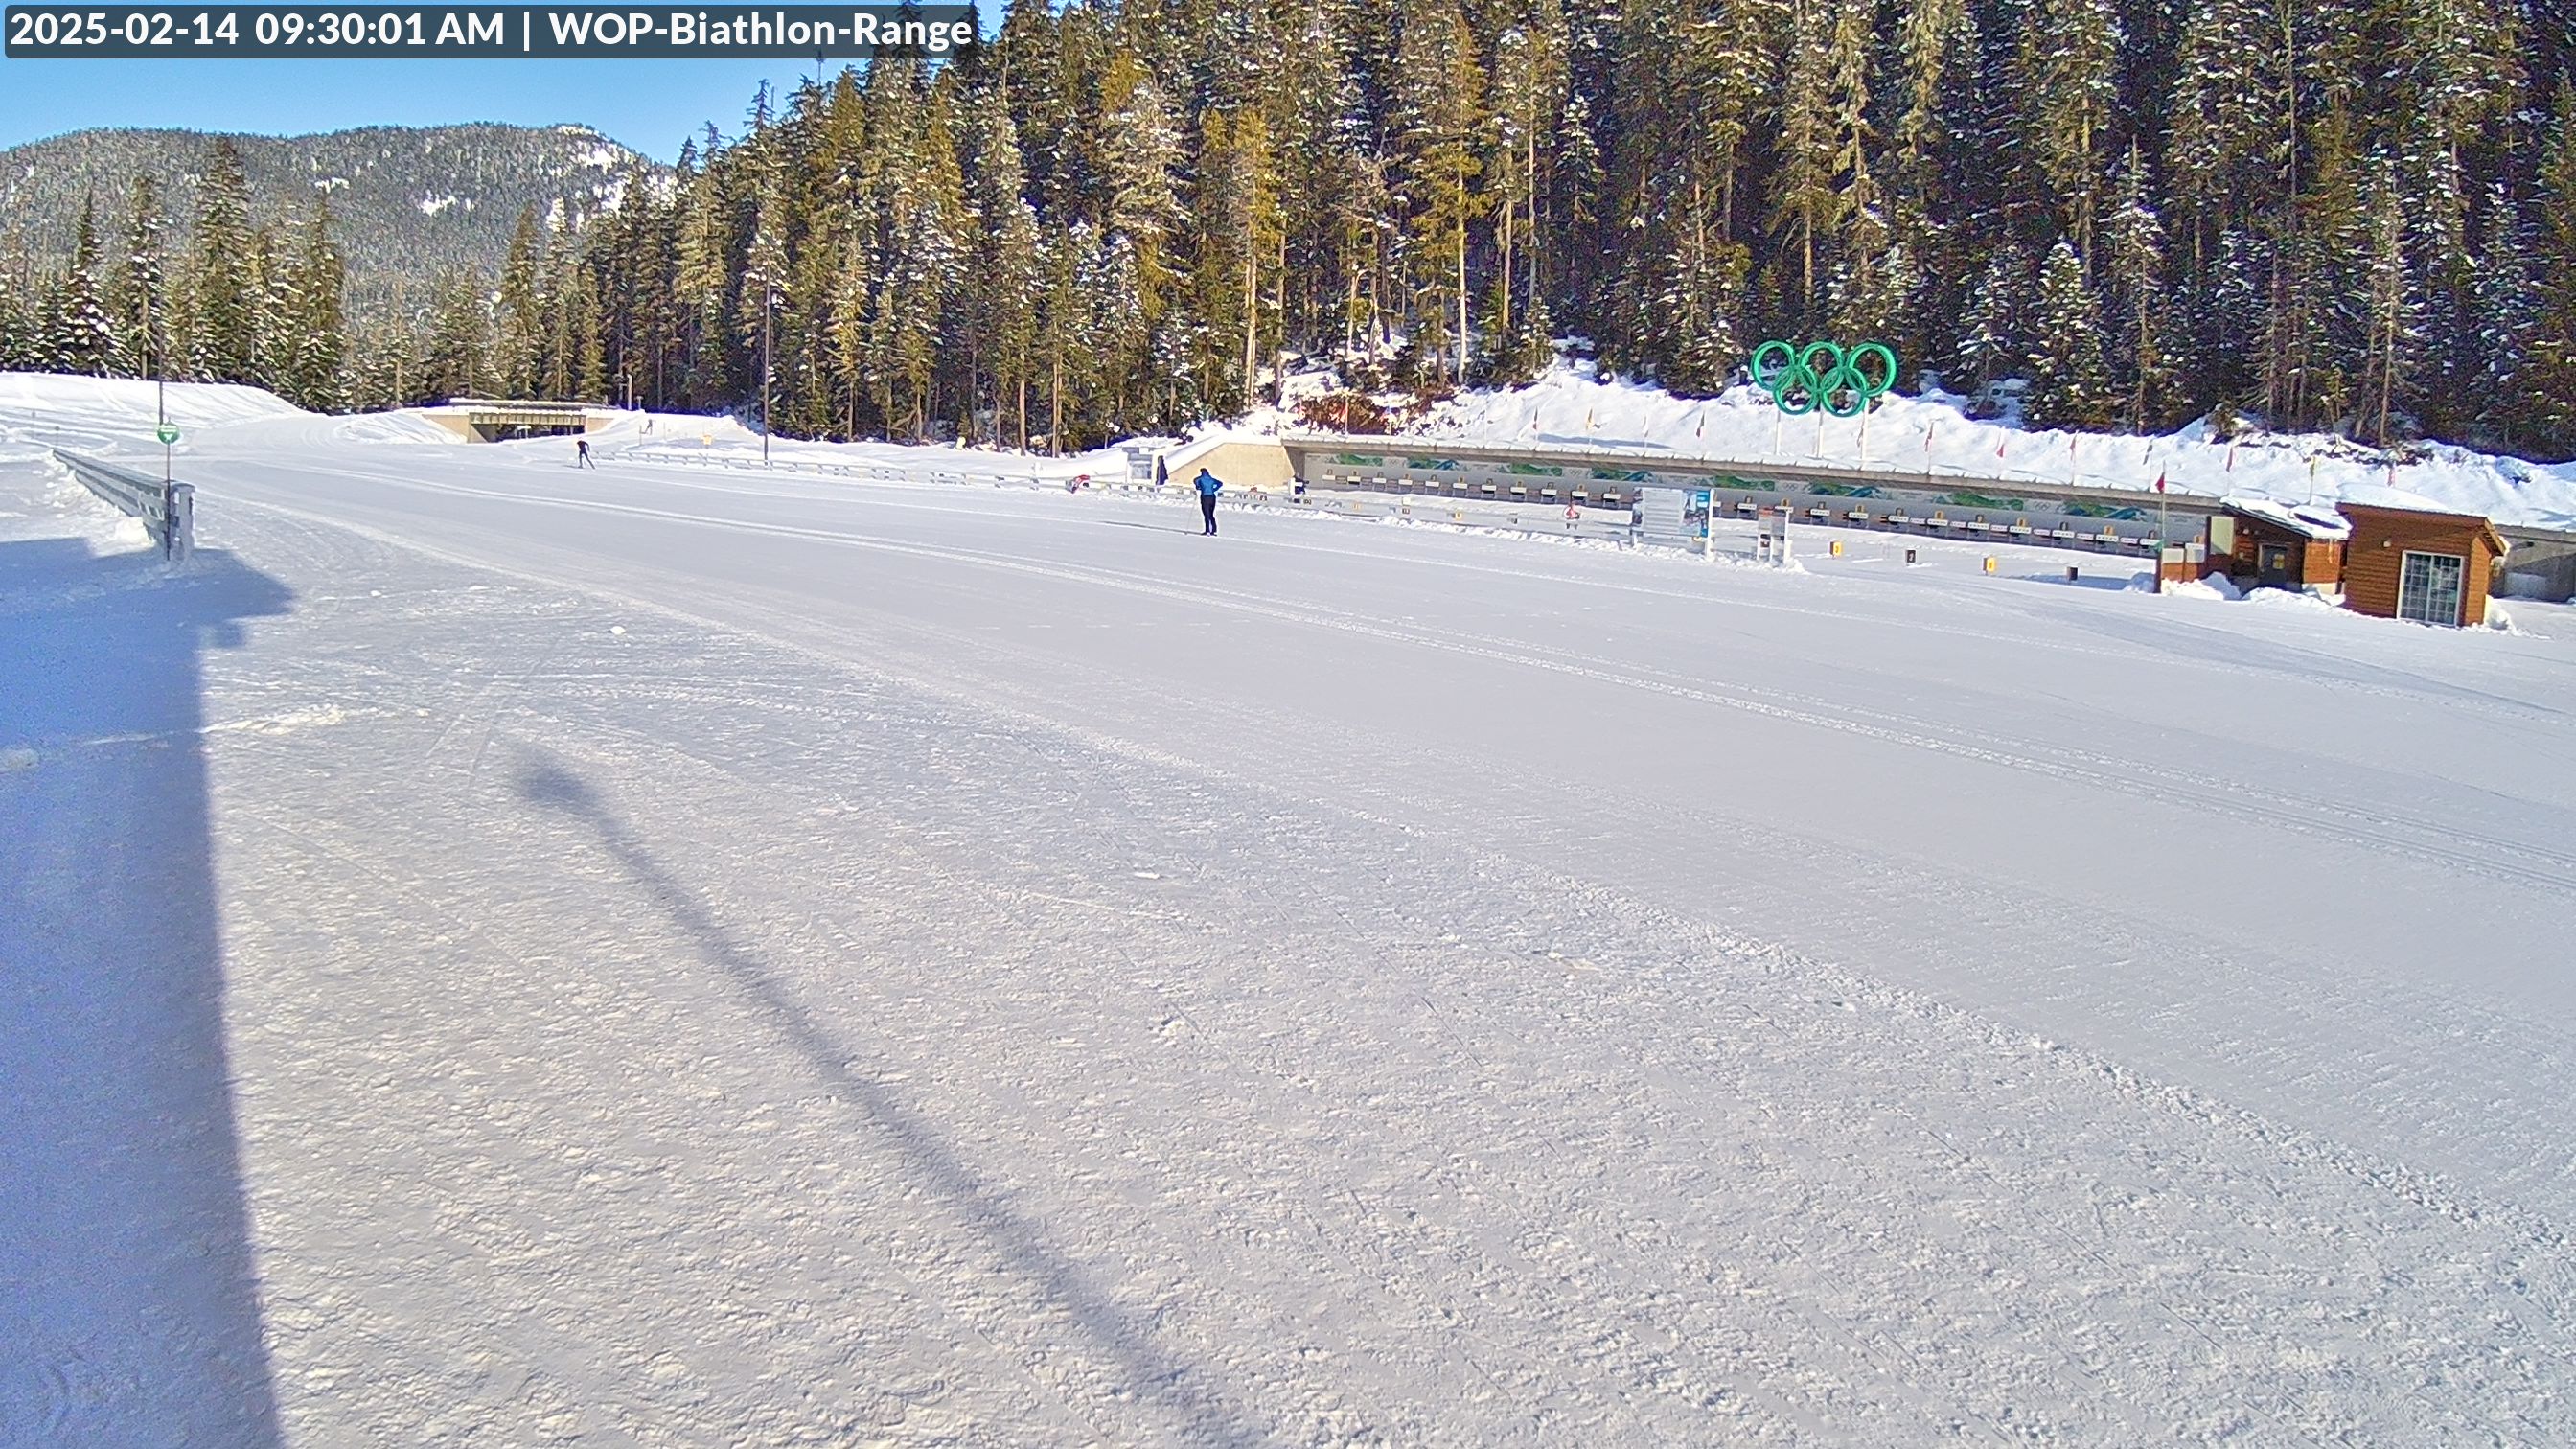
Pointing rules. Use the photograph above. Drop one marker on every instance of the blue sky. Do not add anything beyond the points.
(649, 105)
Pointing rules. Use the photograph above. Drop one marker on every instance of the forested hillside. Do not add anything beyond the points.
(408, 202)
(2350, 214)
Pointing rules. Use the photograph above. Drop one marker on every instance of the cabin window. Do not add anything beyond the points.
(2428, 587)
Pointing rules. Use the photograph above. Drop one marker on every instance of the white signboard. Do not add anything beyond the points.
(1660, 512)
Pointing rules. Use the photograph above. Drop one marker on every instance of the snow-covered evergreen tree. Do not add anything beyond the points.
(1992, 330)
(2134, 270)
(1140, 155)
(519, 315)
(458, 360)
(2069, 387)
(136, 299)
(19, 327)
(1435, 132)
(1864, 296)
(2508, 321)
(79, 335)
(318, 343)
(2069, 70)
(2396, 308)
(224, 325)
(1003, 275)
(1805, 205)
(2551, 371)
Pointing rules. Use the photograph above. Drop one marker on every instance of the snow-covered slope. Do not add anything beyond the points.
(116, 417)
(1569, 407)
(685, 438)
(688, 955)
(91, 411)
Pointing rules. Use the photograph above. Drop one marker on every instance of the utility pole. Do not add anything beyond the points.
(160, 389)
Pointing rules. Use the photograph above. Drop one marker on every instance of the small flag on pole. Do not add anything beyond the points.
(2160, 482)
(1999, 447)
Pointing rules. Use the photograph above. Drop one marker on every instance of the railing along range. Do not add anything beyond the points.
(168, 510)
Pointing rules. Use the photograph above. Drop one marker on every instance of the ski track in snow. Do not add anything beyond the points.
(708, 961)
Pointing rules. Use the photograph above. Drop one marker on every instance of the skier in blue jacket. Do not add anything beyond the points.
(1208, 488)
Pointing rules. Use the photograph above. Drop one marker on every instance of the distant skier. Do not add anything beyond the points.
(1208, 488)
(581, 454)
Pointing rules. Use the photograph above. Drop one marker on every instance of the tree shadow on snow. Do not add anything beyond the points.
(1199, 1414)
(129, 1310)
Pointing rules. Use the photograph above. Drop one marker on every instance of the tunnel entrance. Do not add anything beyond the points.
(495, 420)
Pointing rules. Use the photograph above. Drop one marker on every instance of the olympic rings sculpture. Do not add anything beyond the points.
(1823, 375)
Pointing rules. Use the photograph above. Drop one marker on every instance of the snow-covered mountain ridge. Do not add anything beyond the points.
(407, 202)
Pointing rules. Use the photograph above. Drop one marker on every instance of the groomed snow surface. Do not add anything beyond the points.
(498, 954)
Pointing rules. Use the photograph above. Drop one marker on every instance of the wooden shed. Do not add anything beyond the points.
(2409, 563)
(2267, 545)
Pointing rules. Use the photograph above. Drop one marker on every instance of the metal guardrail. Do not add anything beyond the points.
(168, 510)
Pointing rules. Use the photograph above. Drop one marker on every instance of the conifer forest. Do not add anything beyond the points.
(1111, 219)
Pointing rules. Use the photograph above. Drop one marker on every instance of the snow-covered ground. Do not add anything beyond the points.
(1570, 407)
(723, 442)
(502, 954)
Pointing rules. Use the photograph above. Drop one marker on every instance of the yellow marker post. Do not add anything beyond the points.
(1990, 563)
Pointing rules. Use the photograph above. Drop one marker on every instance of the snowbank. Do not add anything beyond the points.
(1569, 407)
(123, 403)
(726, 441)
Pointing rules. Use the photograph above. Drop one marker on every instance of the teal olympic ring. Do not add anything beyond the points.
(1823, 375)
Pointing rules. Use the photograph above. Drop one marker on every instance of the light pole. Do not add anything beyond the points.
(160, 389)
